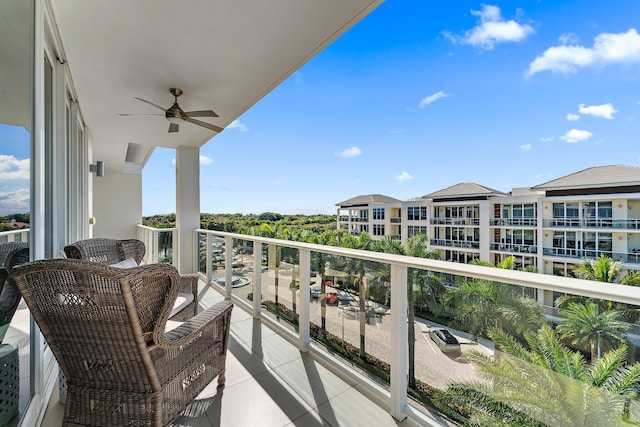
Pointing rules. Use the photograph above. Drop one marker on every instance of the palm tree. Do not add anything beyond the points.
(320, 260)
(601, 269)
(585, 323)
(358, 268)
(551, 384)
(604, 269)
(422, 286)
(483, 304)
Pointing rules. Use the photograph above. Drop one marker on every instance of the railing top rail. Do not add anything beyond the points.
(18, 231)
(146, 227)
(606, 291)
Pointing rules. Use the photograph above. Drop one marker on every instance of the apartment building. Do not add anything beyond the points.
(548, 228)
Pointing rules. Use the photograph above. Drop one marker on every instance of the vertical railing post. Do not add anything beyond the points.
(154, 244)
(257, 279)
(304, 301)
(399, 344)
(174, 246)
(228, 265)
(208, 257)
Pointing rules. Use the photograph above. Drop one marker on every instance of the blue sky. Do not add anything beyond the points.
(422, 95)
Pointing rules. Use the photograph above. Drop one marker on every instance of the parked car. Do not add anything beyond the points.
(346, 299)
(444, 340)
(315, 291)
(332, 298)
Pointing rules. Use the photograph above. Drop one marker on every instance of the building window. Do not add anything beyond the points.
(378, 229)
(378, 213)
(413, 213)
(412, 230)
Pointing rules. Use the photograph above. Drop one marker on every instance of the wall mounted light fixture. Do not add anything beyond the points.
(98, 168)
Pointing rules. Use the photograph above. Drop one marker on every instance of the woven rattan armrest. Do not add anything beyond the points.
(192, 328)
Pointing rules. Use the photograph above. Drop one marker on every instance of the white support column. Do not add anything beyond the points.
(228, 266)
(187, 206)
(304, 302)
(257, 279)
(399, 344)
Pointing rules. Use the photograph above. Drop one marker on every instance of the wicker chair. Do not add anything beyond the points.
(106, 328)
(11, 254)
(106, 251)
(113, 251)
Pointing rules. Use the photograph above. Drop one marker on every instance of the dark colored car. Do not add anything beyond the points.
(445, 341)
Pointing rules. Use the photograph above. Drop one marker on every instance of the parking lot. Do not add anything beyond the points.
(432, 365)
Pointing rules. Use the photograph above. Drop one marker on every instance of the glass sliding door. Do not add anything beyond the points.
(16, 108)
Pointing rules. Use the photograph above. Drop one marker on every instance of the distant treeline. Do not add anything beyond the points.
(247, 224)
(21, 219)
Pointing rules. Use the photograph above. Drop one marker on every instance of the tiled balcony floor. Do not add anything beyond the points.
(270, 383)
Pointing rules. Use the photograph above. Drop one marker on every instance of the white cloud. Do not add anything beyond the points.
(576, 135)
(350, 152)
(608, 48)
(14, 201)
(568, 38)
(237, 124)
(573, 117)
(404, 176)
(204, 160)
(432, 98)
(492, 29)
(525, 147)
(605, 110)
(547, 138)
(13, 169)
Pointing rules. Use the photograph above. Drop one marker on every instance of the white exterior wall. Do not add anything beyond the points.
(117, 205)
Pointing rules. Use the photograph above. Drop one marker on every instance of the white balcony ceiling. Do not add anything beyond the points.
(224, 54)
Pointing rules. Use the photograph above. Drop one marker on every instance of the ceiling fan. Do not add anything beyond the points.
(177, 115)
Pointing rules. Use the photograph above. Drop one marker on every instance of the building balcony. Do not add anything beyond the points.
(279, 374)
(454, 243)
(395, 220)
(455, 221)
(513, 248)
(630, 224)
(513, 222)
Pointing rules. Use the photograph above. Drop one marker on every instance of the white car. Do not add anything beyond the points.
(315, 291)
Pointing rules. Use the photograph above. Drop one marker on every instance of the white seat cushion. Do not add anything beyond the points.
(127, 263)
(183, 300)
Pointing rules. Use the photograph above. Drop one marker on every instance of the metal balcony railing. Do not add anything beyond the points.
(455, 243)
(513, 222)
(607, 223)
(455, 221)
(285, 271)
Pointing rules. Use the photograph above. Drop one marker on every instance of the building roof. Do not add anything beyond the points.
(366, 199)
(464, 189)
(599, 176)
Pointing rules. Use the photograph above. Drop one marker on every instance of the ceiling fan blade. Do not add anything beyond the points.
(173, 127)
(205, 125)
(201, 113)
(150, 103)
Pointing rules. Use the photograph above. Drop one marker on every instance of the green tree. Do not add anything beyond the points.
(584, 323)
(423, 287)
(358, 268)
(550, 383)
(483, 304)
